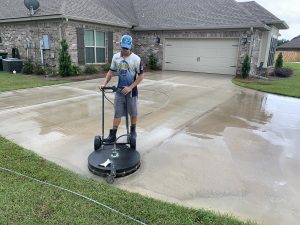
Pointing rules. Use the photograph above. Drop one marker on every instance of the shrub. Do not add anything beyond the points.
(282, 72)
(65, 64)
(152, 61)
(279, 61)
(75, 70)
(28, 67)
(38, 69)
(50, 70)
(106, 67)
(91, 69)
(246, 67)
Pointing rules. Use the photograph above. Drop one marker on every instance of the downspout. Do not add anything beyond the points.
(251, 50)
(60, 32)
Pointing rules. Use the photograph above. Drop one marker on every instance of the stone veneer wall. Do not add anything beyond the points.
(145, 43)
(30, 33)
(26, 37)
(20, 34)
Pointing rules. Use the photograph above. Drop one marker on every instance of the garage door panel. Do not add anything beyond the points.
(202, 61)
(192, 68)
(201, 55)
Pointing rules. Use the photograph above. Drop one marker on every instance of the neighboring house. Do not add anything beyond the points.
(210, 36)
(290, 50)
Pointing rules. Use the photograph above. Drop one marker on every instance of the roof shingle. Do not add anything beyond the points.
(144, 14)
(192, 14)
(262, 14)
(294, 44)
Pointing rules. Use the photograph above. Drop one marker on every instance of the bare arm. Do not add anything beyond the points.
(108, 77)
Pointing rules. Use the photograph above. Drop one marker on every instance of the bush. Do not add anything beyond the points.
(106, 67)
(152, 61)
(91, 69)
(65, 64)
(75, 70)
(279, 61)
(38, 69)
(28, 67)
(246, 67)
(282, 72)
(51, 71)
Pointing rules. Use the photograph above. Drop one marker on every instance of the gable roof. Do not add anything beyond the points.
(192, 14)
(140, 14)
(294, 44)
(98, 11)
(263, 14)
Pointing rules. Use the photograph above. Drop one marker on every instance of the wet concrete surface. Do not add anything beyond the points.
(203, 141)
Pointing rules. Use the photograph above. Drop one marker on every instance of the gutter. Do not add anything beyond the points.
(60, 16)
(262, 26)
(31, 18)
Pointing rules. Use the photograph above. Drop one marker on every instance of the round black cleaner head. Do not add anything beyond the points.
(114, 161)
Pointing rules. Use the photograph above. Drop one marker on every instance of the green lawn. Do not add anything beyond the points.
(288, 87)
(24, 201)
(9, 81)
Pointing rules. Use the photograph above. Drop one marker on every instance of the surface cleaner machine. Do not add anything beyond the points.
(117, 159)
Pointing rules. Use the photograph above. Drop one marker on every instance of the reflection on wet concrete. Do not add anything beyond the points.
(203, 141)
(242, 111)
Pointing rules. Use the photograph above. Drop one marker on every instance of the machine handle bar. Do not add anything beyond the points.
(113, 88)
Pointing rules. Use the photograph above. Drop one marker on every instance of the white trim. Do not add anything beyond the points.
(95, 46)
(59, 16)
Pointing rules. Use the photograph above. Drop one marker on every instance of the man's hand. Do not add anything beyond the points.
(126, 90)
(101, 86)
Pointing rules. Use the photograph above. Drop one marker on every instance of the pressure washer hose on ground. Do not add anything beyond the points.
(74, 193)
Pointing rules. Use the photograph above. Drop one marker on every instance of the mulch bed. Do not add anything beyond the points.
(71, 78)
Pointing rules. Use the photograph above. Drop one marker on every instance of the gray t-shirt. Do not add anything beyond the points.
(127, 69)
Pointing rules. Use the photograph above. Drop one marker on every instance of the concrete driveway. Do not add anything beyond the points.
(203, 141)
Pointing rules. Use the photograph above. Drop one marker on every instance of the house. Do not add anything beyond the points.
(290, 50)
(210, 36)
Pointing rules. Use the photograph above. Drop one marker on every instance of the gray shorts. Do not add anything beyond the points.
(120, 109)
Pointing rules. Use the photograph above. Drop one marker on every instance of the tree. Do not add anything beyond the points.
(246, 67)
(65, 64)
(279, 61)
(281, 42)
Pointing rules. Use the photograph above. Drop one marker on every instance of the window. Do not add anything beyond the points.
(94, 42)
(272, 51)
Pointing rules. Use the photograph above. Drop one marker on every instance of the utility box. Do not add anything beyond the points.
(11, 64)
(45, 44)
(3, 55)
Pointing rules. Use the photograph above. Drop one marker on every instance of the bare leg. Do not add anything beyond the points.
(116, 123)
(133, 120)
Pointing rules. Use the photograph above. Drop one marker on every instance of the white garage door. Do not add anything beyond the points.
(201, 55)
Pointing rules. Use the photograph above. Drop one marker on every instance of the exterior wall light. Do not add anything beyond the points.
(157, 40)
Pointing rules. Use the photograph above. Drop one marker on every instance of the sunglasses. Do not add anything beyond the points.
(125, 48)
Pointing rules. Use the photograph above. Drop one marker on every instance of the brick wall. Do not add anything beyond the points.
(27, 34)
(26, 37)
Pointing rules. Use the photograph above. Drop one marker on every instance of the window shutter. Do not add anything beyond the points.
(110, 46)
(80, 46)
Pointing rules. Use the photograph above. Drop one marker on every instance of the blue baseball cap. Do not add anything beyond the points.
(126, 41)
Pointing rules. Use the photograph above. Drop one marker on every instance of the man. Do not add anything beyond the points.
(129, 68)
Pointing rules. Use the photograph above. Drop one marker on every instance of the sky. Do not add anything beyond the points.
(287, 10)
